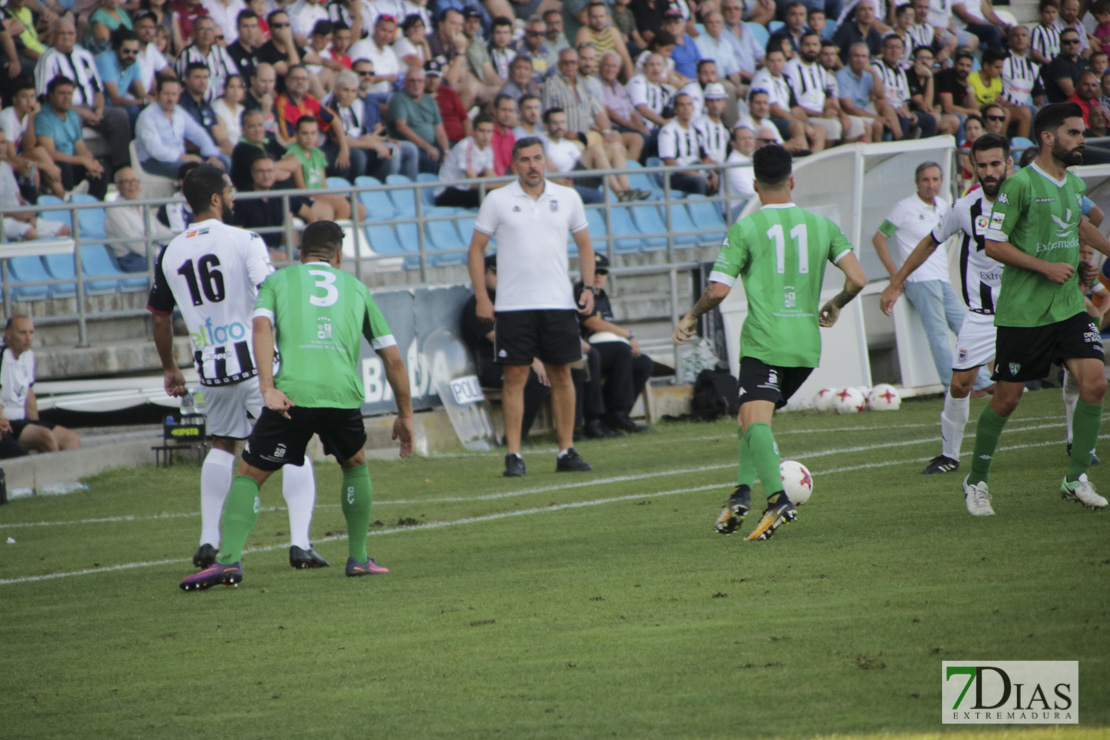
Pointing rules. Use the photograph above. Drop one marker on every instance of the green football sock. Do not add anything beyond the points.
(765, 456)
(357, 496)
(745, 471)
(987, 433)
(240, 514)
(1085, 426)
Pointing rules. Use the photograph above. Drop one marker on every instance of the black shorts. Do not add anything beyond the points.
(762, 382)
(1027, 352)
(551, 335)
(277, 441)
(18, 425)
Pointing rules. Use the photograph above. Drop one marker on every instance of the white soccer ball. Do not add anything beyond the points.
(849, 401)
(884, 397)
(823, 401)
(796, 481)
(864, 390)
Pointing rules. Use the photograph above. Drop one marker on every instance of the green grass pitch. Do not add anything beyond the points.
(568, 606)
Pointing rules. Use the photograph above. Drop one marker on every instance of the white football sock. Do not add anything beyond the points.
(1071, 395)
(298, 486)
(953, 419)
(215, 482)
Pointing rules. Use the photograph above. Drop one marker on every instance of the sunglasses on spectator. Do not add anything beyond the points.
(601, 272)
(996, 118)
(279, 25)
(532, 34)
(366, 73)
(768, 141)
(1069, 41)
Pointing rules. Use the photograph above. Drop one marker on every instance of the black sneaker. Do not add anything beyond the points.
(594, 429)
(736, 508)
(206, 555)
(571, 462)
(514, 466)
(1094, 457)
(624, 423)
(301, 559)
(941, 464)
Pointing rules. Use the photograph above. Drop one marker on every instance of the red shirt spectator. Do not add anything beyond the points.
(187, 12)
(455, 121)
(502, 143)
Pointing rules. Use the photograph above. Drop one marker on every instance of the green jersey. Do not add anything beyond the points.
(1040, 216)
(319, 314)
(780, 253)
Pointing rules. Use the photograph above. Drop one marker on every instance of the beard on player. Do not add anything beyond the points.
(991, 185)
(1069, 157)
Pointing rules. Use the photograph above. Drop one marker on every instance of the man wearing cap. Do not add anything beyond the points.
(685, 55)
(623, 366)
(712, 130)
(535, 311)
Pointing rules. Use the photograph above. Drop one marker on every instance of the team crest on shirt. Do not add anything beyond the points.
(516, 209)
(1015, 367)
(981, 224)
(963, 355)
(554, 205)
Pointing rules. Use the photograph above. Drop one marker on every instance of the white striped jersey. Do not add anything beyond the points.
(778, 89)
(1019, 79)
(714, 138)
(812, 84)
(220, 67)
(896, 83)
(921, 34)
(680, 144)
(980, 276)
(1046, 40)
(644, 92)
(211, 272)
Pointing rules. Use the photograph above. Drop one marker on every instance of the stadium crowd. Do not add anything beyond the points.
(377, 87)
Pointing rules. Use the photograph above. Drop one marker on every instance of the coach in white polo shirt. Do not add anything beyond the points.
(928, 289)
(535, 310)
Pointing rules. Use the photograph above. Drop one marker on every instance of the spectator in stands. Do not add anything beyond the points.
(605, 37)
(741, 179)
(66, 59)
(714, 45)
(923, 93)
(194, 101)
(565, 90)
(308, 165)
(262, 95)
(936, 37)
(903, 23)
(477, 52)
(479, 337)
(378, 51)
(781, 99)
(162, 130)
(978, 17)
(1086, 94)
(229, 108)
(759, 116)
(520, 80)
(248, 40)
(319, 43)
(205, 51)
(953, 90)
(1046, 36)
(448, 46)
(650, 95)
(749, 53)
(1099, 62)
(862, 99)
(58, 131)
(295, 103)
(1104, 98)
(367, 135)
(1069, 20)
(686, 54)
(623, 116)
(533, 48)
(150, 61)
(176, 214)
(305, 15)
(456, 123)
(501, 50)
(794, 23)
(20, 225)
(471, 158)
(414, 116)
(1021, 84)
(566, 155)
(103, 22)
(505, 120)
(129, 222)
(1061, 73)
(225, 14)
(897, 87)
(269, 212)
(121, 76)
(816, 103)
(711, 129)
(255, 140)
(695, 88)
(529, 120)
(185, 13)
(1098, 122)
(26, 45)
(986, 87)
(23, 150)
(625, 369)
(858, 29)
(285, 54)
(19, 411)
(649, 19)
(554, 40)
(412, 48)
(681, 146)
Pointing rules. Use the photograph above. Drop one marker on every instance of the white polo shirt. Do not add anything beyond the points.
(562, 154)
(17, 375)
(910, 221)
(531, 233)
(384, 60)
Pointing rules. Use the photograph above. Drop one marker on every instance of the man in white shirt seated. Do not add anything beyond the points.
(713, 132)
(680, 145)
(21, 226)
(162, 130)
(740, 178)
(129, 222)
(469, 159)
(19, 412)
(566, 154)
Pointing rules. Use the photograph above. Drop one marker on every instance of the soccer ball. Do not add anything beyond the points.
(864, 390)
(884, 397)
(849, 401)
(796, 481)
(823, 401)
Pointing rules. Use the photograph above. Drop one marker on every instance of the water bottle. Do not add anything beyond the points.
(188, 407)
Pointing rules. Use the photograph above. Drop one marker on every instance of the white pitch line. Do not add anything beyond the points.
(495, 517)
(525, 491)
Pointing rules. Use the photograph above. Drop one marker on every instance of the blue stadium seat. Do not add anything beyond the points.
(403, 200)
(760, 34)
(681, 224)
(338, 182)
(626, 237)
(98, 261)
(707, 215)
(61, 267)
(410, 243)
(442, 236)
(378, 205)
(643, 181)
(647, 221)
(772, 27)
(599, 234)
(90, 221)
(26, 270)
(656, 177)
(52, 200)
(365, 181)
(428, 194)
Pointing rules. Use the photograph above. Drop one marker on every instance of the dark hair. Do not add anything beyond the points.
(1048, 4)
(57, 82)
(305, 119)
(964, 54)
(22, 83)
(143, 15)
(662, 38)
(501, 20)
(410, 21)
(972, 117)
(550, 112)
(322, 238)
(918, 49)
(1066, 30)
(322, 28)
(121, 35)
(201, 184)
(772, 165)
(529, 96)
(987, 106)
(1052, 117)
(521, 58)
(1028, 155)
(807, 33)
(791, 5)
(814, 11)
(275, 13)
(903, 9)
(772, 47)
(443, 16)
(526, 142)
(483, 118)
(991, 141)
(160, 81)
(185, 169)
(245, 15)
(259, 155)
(990, 56)
(703, 62)
(502, 97)
(194, 66)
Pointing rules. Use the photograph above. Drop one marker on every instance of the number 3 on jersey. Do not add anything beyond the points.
(326, 281)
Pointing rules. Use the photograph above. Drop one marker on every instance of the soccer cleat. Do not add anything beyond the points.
(369, 568)
(571, 462)
(736, 508)
(941, 464)
(977, 499)
(514, 466)
(1094, 457)
(780, 509)
(206, 555)
(1082, 491)
(301, 559)
(229, 575)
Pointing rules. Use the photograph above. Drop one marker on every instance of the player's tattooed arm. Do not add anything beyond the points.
(710, 299)
(854, 282)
